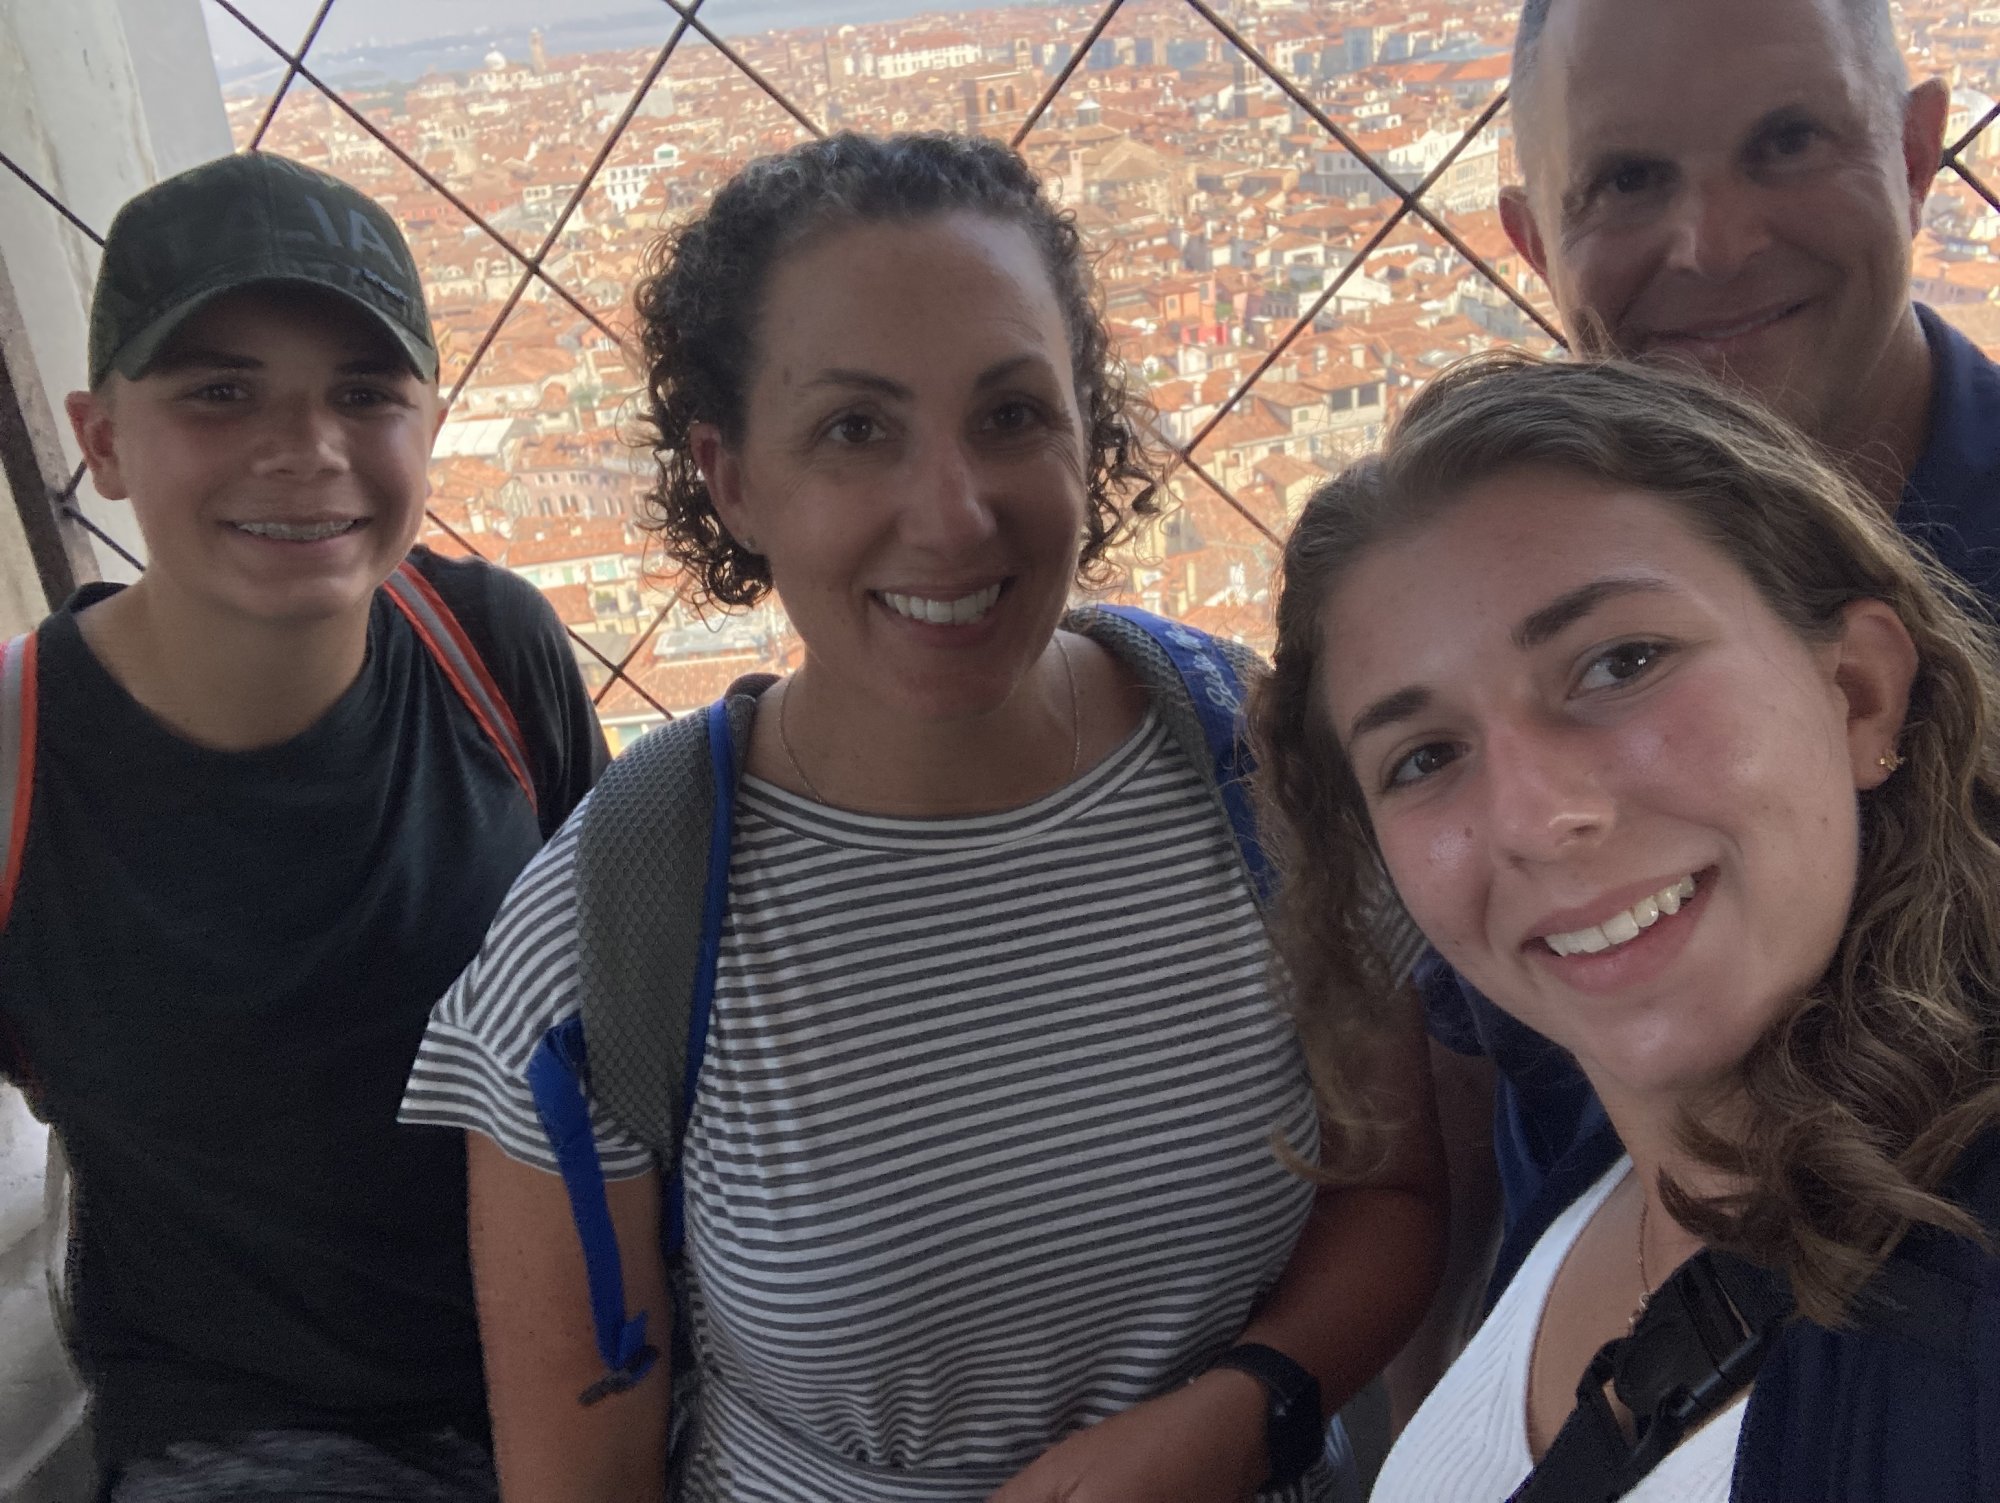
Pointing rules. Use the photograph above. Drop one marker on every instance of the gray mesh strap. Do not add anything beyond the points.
(446, 641)
(1149, 662)
(1132, 646)
(641, 880)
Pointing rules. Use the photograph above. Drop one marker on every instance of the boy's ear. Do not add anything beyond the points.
(93, 419)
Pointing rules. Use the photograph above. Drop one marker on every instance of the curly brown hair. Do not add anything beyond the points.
(1854, 1107)
(698, 306)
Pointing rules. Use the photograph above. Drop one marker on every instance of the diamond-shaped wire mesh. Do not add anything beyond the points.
(1295, 206)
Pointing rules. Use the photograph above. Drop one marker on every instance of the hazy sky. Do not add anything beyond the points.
(389, 22)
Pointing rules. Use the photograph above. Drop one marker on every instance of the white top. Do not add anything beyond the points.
(981, 1146)
(1469, 1442)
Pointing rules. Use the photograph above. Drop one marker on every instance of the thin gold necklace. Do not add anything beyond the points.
(1645, 1279)
(1075, 729)
(785, 740)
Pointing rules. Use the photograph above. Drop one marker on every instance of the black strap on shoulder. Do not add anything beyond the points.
(1700, 1341)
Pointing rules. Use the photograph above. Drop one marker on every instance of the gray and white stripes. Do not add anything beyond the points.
(982, 1146)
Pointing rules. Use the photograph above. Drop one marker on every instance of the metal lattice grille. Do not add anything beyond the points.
(1295, 206)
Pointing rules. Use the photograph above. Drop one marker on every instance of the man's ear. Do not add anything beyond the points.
(93, 419)
(1517, 216)
(437, 427)
(1875, 667)
(1925, 111)
(722, 473)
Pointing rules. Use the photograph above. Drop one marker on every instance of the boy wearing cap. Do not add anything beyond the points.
(274, 806)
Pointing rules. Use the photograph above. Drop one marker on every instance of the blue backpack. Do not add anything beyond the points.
(652, 879)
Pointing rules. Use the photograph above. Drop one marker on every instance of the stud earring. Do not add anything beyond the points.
(1889, 761)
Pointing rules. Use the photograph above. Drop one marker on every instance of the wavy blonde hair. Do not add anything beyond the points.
(1864, 1095)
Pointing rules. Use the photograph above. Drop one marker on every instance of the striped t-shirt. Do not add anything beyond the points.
(981, 1150)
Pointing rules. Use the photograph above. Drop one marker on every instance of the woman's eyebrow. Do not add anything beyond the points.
(993, 375)
(1573, 605)
(1565, 610)
(1387, 710)
(1000, 370)
(835, 375)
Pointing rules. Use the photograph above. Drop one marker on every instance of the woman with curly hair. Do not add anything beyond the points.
(1659, 732)
(990, 1181)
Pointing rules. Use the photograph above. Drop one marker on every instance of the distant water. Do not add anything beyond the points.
(404, 62)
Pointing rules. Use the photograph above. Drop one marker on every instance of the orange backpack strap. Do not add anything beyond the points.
(17, 760)
(447, 642)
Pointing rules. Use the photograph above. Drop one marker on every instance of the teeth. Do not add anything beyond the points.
(292, 532)
(1622, 928)
(960, 612)
(1739, 328)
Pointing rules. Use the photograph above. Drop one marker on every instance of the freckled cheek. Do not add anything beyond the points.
(1647, 756)
(1682, 765)
(1436, 873)
(1752, 781)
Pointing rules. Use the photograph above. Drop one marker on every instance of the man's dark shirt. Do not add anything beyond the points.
(1952, 499)
(1542, 1104)
(217, 970)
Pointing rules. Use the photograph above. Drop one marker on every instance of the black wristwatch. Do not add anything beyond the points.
(1294, 1432)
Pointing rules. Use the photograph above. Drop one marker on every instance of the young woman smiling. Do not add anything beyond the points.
(1662, 736)
(979, 1183)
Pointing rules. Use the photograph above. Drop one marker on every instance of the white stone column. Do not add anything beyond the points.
(98, 99)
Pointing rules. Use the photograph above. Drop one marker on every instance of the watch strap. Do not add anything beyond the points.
(1294, 1429)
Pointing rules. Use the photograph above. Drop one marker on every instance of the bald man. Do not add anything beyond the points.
(1736, 183)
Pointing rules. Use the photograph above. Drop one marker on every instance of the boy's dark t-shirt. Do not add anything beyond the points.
(218, 968)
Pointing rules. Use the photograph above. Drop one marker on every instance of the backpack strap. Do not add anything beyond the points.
(18, 703)
(436, 627)
(556, 1074)
(1697, 1343)
(652, 890)
(652, 883)
(1197, 682)
(445, 639)
(652, 869)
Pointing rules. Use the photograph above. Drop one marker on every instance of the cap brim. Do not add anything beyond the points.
(136, 356)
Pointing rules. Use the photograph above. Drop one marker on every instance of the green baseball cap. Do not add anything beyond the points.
(248, 221)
